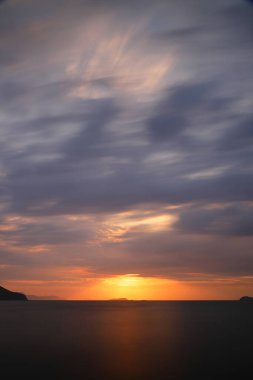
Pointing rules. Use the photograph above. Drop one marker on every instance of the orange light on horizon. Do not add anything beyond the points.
(134, 287)
(125, 280)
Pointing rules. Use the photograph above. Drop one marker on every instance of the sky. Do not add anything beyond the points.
(126, 148)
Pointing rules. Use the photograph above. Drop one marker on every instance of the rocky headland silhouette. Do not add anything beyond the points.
(7, 295)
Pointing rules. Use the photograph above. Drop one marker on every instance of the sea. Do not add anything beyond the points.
(126, 340)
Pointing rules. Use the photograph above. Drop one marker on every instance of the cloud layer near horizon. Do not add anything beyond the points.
(126, 139)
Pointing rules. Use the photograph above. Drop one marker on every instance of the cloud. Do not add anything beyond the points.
(43, 233)
(110, 107)
(92, 137)
(228, 221)
(178, 109)
(166, 126)
(11, 92)
(239, 137)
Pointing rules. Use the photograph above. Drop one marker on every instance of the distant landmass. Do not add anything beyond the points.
(246, 299)
(7, 295)
(43, 298)
(119, 299)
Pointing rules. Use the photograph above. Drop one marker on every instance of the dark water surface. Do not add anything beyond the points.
(126, 340)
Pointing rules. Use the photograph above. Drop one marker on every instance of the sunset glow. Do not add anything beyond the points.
(126, 149)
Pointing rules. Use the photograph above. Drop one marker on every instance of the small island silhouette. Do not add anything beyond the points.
(7, 295)
(246, 299)
(119, 299)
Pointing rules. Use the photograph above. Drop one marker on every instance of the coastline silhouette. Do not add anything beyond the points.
(8, 295)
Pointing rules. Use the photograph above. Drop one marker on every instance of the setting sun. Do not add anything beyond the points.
(132, 286)
(127, 280)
